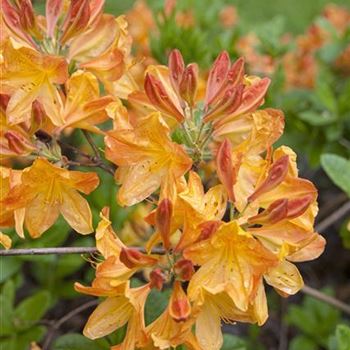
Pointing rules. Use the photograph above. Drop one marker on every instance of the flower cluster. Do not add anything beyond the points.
(217, 246)
(228, 211)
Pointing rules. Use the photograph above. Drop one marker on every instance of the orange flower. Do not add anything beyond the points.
(83, 106)
(216, 307)
(27, 75)
(45, 191)
(231, 261)
(146, 157)
(113, 273)
(115, 312)
(167, 331)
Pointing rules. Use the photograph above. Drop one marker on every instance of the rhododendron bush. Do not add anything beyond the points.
(213, 208)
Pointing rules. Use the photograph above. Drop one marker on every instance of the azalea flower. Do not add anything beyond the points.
(146, 157)
(44, 192)
(27, 75)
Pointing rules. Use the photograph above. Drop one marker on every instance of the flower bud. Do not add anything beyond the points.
(53, 10)
(184, 269)
(38, 116)
(27, 17)
(159, 97)
(176, 68)
(179, 305)
(277, 211)
(208, 228)
(17, 142)
(4, 100)
(77, 19)
(188, 84)
(298, 206)
(132, 258)
(276, 175)
(217, 77)
(231, 100)
(227, 167)
(164, 213)
(157, 279)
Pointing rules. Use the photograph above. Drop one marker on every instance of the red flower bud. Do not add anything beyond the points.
(159, 97)
(298, 206)
(188, 84)
(227, 167)
(277, 211)
(276, 175)
(217, 77)
(132, 258)
(208, 229)
(157, 279)
(184, 269)
(176, 68)
(164, 213)
(77, 19)
(179, 305)
(53, 10)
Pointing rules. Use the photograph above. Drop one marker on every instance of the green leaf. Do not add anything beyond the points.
(34, 334)
(30, 310)
(326, 95)
(6, 326)
(317, 320)
(317, 119)
(8, 292)
(68, 264)
(9, 265)
(156, 304)
(338, 169)
(232, 342)
(76, 341)
(302, 342)
(342, 335)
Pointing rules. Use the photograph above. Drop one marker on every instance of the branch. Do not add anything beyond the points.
(92, 161)
(63, 251)
(91, 143)
(91, 250)
(331, 219)
(57, 324)
(326, 298)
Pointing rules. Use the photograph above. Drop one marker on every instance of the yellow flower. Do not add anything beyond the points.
(146, 157)
(115, 312)
(166, 331)
(231, 261)
(83, 107)
(45, 191)
(214, 308)
(27, 75)
(119, 265)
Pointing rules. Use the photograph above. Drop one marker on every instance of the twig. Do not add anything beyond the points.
(47, 251)
(57, 324)
(331, 219)
(91, 143)
(326, 298)
(62, 251)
